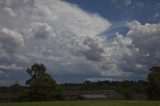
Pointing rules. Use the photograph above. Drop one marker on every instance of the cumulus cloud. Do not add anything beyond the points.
(10, 39)
(135, 52)
(40, 30)
(131, 55)
(95, 50)
(146, 38)
(70, 41)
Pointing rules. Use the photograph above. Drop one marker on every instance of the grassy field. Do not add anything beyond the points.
(86, 103)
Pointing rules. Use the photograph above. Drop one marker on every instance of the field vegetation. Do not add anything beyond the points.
(87, 103)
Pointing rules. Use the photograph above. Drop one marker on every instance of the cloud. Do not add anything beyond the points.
(70, 41)
(137, 50)
(10, 67)
(156, 15)
(40, 30)
(122, 3)
(145, 37)
(10, 11)
(127, 2)
(95, 50)
(10, 39)
(132, 54)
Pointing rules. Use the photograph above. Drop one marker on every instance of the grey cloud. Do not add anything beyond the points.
(146, 38)
(138, 48)
(10, 11)
(133, 54)
(10, 67)
(68, 40)
(3, 3)
(17, 4)
(10, 39)
(40, 30)
(94, 51)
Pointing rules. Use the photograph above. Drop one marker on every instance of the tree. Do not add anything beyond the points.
(153, 88)
(41, 86)
(87, 85)
(126, 89)
(18, 91)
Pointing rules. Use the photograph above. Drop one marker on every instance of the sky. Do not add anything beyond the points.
(79, 40)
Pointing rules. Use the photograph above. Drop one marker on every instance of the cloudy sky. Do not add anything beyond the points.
(79, 40)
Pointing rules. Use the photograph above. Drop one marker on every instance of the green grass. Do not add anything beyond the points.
(86, 103)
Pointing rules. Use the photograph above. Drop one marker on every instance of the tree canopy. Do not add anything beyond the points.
(153, 88)
(41, 86)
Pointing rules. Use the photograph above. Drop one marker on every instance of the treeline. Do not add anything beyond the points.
(39, 87)
(42, 87)
(125, 88)
(138, 86)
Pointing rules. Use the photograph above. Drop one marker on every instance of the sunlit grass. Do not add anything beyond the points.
(86, 103)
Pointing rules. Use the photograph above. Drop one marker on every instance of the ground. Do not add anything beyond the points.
(86, 103)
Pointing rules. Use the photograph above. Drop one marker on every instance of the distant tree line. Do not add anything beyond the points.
(127, 88)
(42, 87)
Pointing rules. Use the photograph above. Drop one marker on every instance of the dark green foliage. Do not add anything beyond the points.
(126, 89)
(87, 85)
(41, 86)
(137, 86)
(153, 88)
(18, 91)
(12, 93)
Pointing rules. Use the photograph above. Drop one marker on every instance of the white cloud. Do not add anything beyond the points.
(53, 33)
(72, 18)
(10, 39)
(145, 37)
(40, 30)
(133, 53)
(69, 40)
